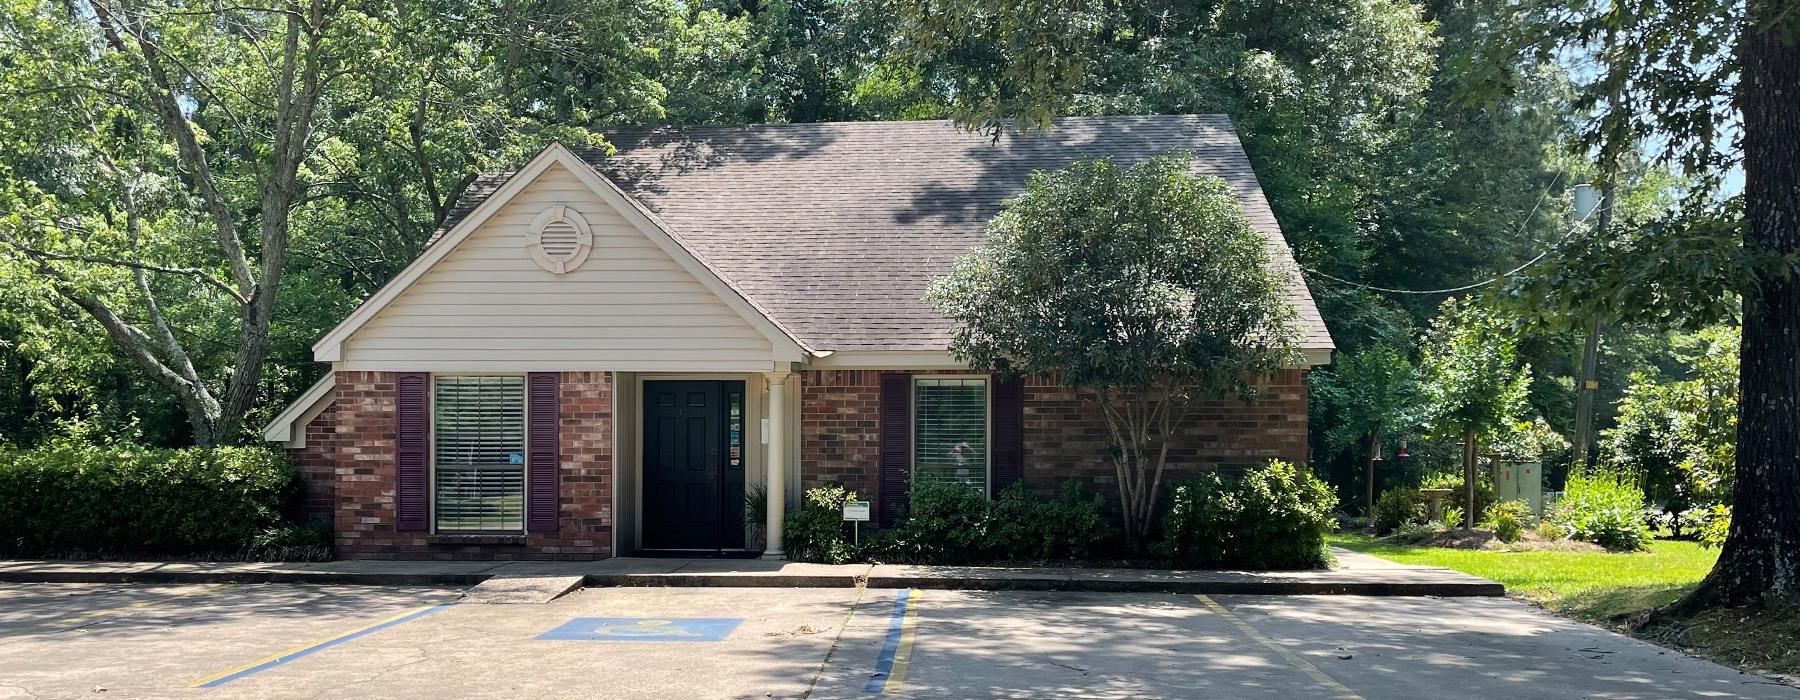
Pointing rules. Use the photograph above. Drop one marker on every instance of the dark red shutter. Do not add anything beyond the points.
(542, 506)
(1008, 419)
(896, 445)
(412, 448)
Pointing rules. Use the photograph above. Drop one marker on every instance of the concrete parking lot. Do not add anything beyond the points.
(298, 641)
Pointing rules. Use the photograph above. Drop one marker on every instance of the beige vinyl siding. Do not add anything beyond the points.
(487, 307)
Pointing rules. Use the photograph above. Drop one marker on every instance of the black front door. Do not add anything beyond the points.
(693, 465)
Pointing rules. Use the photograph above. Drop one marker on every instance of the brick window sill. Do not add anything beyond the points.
(468, 540)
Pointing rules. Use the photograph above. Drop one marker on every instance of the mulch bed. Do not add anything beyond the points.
(1484, 540)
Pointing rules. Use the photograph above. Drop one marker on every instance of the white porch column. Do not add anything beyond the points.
(775, 461)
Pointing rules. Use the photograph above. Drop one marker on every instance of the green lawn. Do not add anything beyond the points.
(1589, 586)
(1610, 589)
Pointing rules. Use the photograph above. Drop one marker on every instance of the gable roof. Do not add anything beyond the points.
(835, 230)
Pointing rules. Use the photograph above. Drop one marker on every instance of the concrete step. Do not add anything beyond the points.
(513, 590)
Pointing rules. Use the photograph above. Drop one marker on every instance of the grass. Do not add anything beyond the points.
(1588, 586)
(1610, 589)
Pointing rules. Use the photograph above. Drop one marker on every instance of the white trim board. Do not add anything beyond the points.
(289, 426)
(941, 359)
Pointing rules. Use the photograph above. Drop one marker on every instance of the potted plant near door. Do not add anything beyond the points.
(756, 513)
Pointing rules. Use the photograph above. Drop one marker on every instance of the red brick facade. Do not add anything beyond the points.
(348, 461)
(358, 433)
(317, 462)
(1064, 435)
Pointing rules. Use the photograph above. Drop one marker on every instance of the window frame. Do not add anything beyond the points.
(987, 427)
(431, 474)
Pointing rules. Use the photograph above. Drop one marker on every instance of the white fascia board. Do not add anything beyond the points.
(938, 359)
(1314, 357)
(289, 426)
(787, 347)
(888, 359)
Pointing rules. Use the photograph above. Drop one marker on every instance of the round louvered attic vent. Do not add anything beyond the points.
(559, 239)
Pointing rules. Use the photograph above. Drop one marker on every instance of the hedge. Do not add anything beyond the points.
(1272, 517)
(70, 498)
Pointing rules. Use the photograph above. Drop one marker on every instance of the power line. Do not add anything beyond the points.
(1522, 224)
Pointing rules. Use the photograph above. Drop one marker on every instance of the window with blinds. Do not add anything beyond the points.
(478, 426)
(950, 432)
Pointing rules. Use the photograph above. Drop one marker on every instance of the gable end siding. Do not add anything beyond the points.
(488, 307)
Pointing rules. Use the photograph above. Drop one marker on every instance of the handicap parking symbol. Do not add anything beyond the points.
(644, 629)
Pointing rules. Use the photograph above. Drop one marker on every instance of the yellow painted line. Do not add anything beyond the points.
(1343, 693)
(909, 625)
(236, 672)
(85, 619)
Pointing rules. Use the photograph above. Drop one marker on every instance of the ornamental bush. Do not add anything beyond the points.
(69, 498)
(1273, 517)
(1027, 527)
(1605, 507)
(1397, 508)
(1508, 519)
(948, 523)
(945, 523)
(815, 531)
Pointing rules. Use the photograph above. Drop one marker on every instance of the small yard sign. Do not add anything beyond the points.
(857, 511)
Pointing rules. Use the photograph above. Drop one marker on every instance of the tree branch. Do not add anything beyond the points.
(187, 143)
(202, 275)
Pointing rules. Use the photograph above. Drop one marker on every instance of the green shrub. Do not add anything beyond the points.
(1274, 517)
(1452, 517)
(1027, 527)
(1714, 526)
(948, 523)
(1605, 507)
(1507, 519)
(1397, 508)
(815, 532)
(945, 523)
(69, 497)
(309, 542)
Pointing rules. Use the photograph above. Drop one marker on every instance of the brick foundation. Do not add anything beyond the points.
(1065, 436)
(364, 466)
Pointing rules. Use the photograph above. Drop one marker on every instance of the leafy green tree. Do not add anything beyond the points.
(1709, 85)
(1680, 435)
(1372, 393)
(1473, 383)
(167, 169)
(1111, 280)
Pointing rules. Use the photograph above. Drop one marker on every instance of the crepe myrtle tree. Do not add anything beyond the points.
(1143, 288)
(1473, 382)
(1373, 393)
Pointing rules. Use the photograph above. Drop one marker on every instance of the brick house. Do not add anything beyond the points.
(602, 354)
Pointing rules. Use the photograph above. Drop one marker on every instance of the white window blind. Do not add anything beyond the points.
(950, 431)
(479, 443)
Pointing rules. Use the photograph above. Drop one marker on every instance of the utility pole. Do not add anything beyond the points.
(1588, 383)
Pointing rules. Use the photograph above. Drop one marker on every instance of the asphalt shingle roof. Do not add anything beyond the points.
(836, 229)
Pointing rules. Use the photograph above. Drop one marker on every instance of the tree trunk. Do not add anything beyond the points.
(1374, 437)
(1469, 478)
(1760, 561)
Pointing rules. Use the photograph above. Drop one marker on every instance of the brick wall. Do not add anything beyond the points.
(1064, 435)
(364, 467)
(317, 463)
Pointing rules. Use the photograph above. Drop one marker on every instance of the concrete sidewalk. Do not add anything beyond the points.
(1356, 574)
